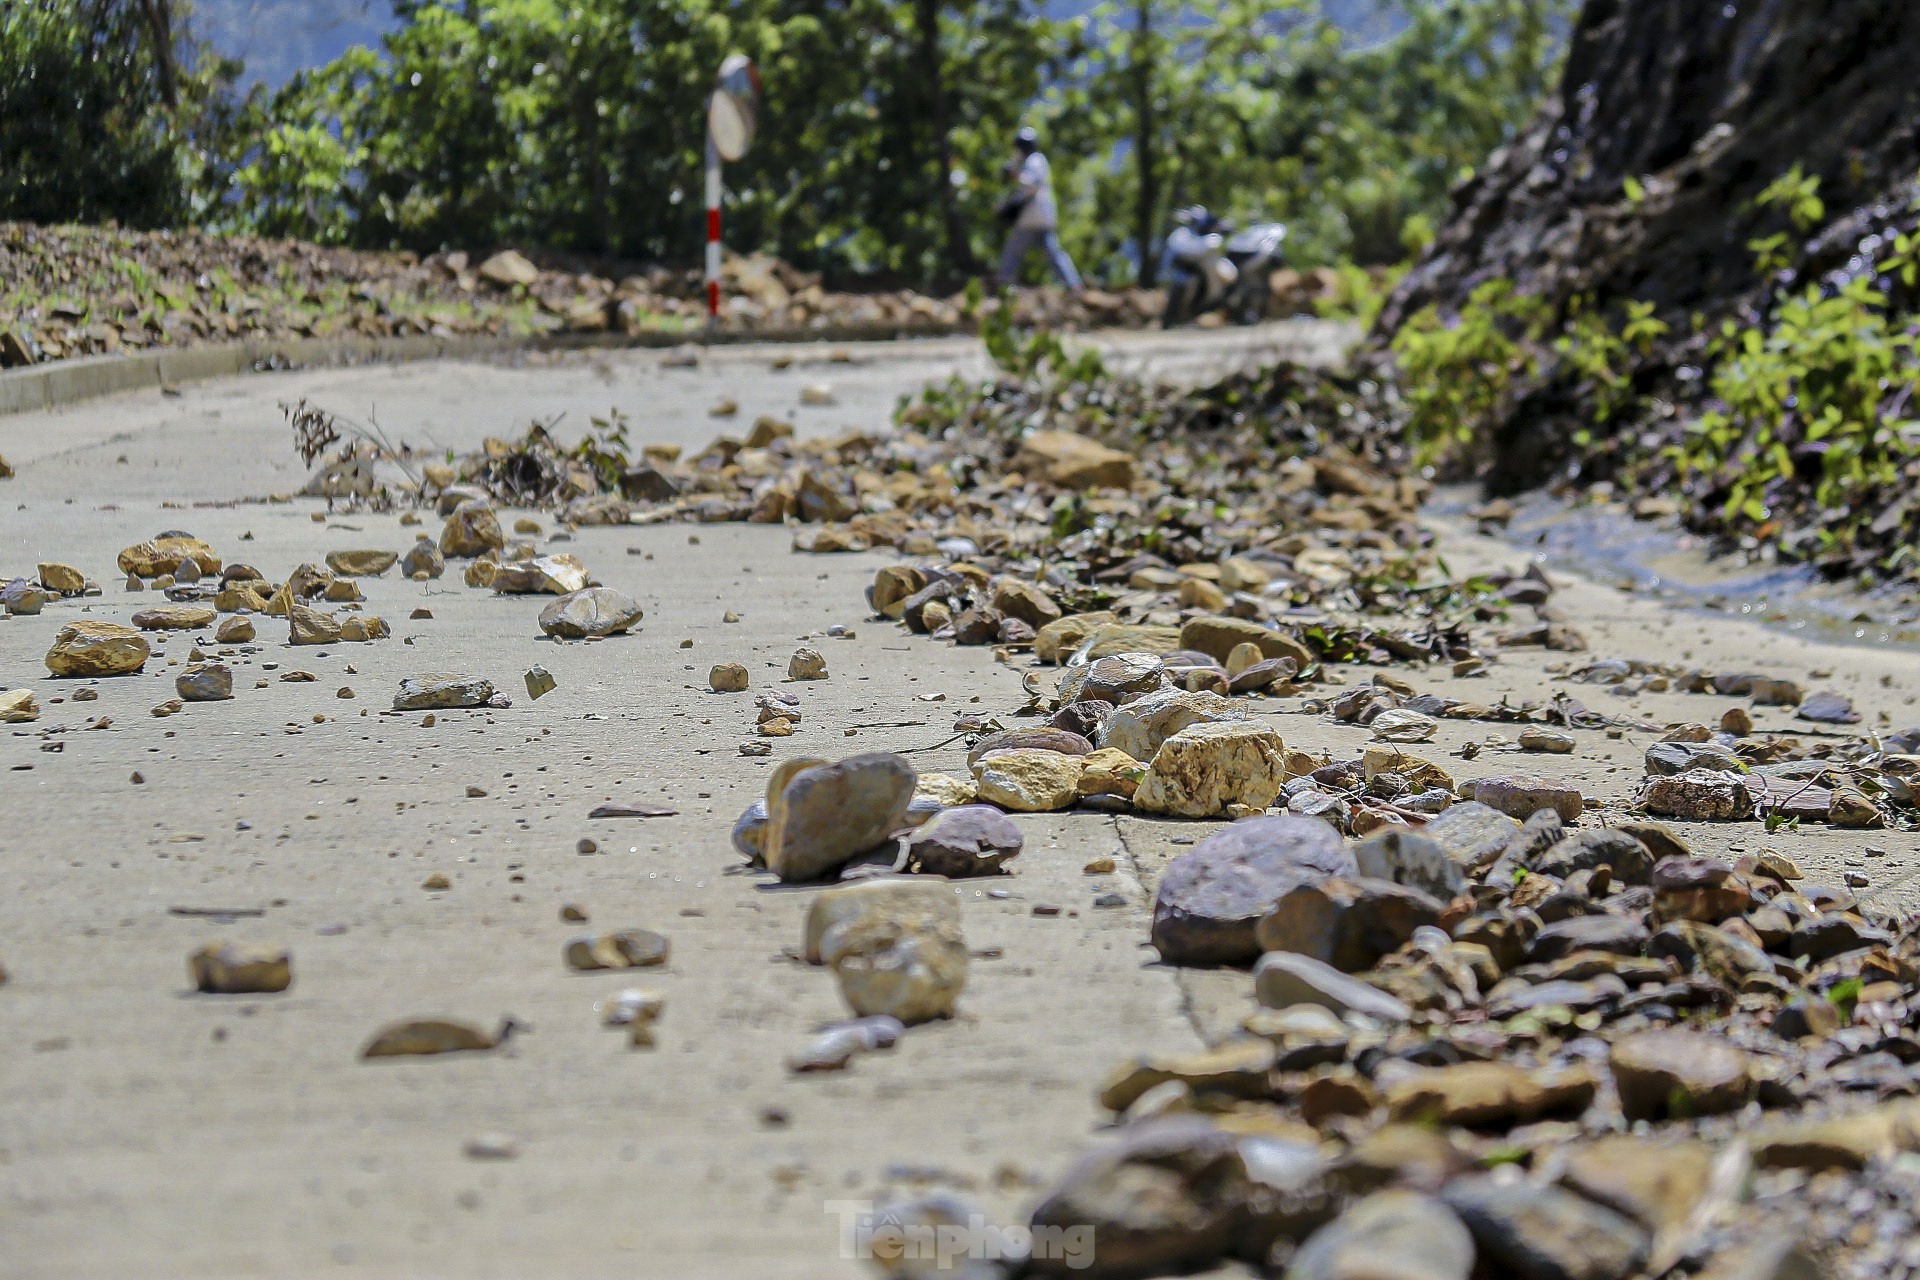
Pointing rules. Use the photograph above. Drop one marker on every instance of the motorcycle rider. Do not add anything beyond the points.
(1030, 211)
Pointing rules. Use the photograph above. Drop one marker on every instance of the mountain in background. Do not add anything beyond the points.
(276, 38)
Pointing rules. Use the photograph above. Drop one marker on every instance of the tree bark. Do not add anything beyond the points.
(159, 19)
(960, 257)
(1145, 144)
(1637, 181)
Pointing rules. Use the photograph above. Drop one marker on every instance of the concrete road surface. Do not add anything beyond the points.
(149, 1132)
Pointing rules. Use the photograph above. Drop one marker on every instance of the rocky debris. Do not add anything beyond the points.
(1069, 461)
(1210, 899)
(1140, 727)
(624, 949)
(163, 556)
(61, 579)
(423, 560)
(361, 563)
(205, 682)
(1161, 1197)
(438, 692)
(971, 840)
(835, 1048)
(311, 626)
(806, 664)
(228, 969)
(590, 614)
(1349, 924)
(427, 1036)
(86, 649)
(1413, 859)
(1208, 770)
(1028, 780)
(175, 617)
(1681, 1073)
(1521, 796)
(1283, 979)
(18, 707)
(894, 945)
(822, 814)
(472, 530)
(729, 677)
(1399, 1234)
(1544, 1232)
(553, 575)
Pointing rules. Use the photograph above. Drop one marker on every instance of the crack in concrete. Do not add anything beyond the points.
(1188, 1010)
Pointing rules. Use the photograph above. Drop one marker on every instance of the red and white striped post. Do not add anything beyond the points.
(732, 112)
(713, 234)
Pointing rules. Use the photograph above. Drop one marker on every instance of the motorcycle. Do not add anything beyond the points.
(1209, 266)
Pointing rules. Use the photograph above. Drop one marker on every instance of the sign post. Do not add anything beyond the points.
(732, 114)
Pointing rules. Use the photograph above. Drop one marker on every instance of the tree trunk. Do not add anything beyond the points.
(960, 258)
(1637, 181)
(1145, 144)
(159, 19)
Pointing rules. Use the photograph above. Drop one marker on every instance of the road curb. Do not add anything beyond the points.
(65, 382)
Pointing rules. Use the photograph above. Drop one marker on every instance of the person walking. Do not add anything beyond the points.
(1030, 211)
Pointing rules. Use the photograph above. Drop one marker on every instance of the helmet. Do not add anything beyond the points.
(1028, 139)
(1194, 215)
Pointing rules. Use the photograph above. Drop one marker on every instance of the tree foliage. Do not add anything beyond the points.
(577, 125)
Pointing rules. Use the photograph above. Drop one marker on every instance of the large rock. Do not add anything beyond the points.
(1677, 1072)
(1283, 979)
(174, 617)
(1390, 1235)
(1057, 639)
(1036, 738)
(1217, 636)
(1203, 770)
(904, 965)
(1620, 853)
(1474, 835)
(1163, 1197)
(1410, 858)
(1523, 795)
(1028, 780)
(902, 898)
(972, 840)
(85, 648)
(1073, 462)
(437, 692)
(204, 682)
(1489, 1094)
(1143, 724)
(423, 559)
(1025, 601)
(311, 626)
(590, 614)
(163, 555)
(1211, 898)
(821, 814)
(556, 575)
(361, 563)
(1349, 924)
(472, 530)
(1531, 1232)
(1117, 679)
(508, 268)
(1665, 1185)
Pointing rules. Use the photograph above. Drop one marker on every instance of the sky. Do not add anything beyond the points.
(276, 38)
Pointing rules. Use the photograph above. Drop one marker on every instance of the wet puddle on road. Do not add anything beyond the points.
(1653, 558)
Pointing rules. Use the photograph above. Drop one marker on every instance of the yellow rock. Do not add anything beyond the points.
(1110, 772)
(233, 970)
(62, 578)
(310, 626)
(174, 617)
(97, 649)
(17, 706)
(1073, 462)
(163, 556)
(1028, 780)
(362, 563)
